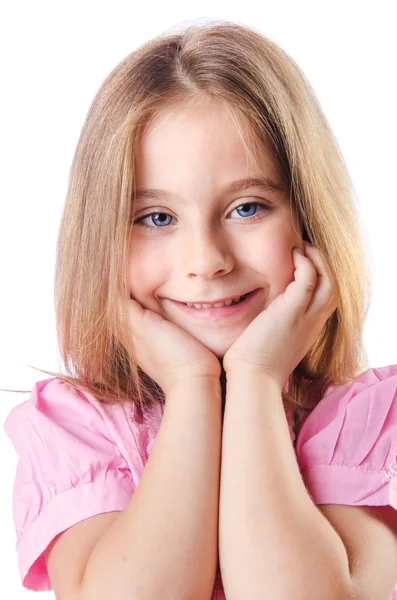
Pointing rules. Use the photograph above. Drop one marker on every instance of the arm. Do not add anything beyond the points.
(272, 537)
(165, 543)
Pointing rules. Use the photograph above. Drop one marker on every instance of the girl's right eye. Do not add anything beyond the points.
(157, 224)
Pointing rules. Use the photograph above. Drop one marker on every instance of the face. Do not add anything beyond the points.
(196, 243)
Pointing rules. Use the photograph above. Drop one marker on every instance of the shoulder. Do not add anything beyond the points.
(66, 416)
(373, 382)
(347, 446)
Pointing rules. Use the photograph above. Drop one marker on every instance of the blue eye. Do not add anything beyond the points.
(159, 219)
(245, 207)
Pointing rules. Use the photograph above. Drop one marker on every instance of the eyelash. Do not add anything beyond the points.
(142, 224)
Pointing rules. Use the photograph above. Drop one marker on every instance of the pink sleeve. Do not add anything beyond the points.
(347, 447)
(70, 468)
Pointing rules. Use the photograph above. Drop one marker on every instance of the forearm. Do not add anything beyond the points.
(272, 537)
(165, 543)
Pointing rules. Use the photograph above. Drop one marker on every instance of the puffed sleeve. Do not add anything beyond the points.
(77, 457)
(347, 447)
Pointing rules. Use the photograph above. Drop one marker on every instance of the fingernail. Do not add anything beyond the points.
(299, 250)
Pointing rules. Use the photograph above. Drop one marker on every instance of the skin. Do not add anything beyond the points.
(208, 249)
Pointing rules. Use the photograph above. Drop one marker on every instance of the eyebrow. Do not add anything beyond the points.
(263, 183)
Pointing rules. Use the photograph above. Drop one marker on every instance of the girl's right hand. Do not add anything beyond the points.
(166, 352)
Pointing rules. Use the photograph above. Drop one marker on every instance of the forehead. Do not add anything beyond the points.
(207, 140)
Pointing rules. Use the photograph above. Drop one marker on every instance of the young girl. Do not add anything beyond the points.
(211, 291)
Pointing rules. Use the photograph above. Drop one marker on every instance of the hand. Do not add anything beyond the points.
(277, 340)
(167, 353)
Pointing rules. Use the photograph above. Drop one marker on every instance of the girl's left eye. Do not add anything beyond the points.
(244, 208)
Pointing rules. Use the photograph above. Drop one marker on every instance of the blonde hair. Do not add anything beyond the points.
(260, 84)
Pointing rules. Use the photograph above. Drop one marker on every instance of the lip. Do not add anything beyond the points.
(219, 312)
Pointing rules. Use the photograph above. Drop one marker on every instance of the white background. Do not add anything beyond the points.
(55, 55)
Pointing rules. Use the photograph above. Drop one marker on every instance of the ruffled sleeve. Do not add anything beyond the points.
(347, 447)
(78, 458)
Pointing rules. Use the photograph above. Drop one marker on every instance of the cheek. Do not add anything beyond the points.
(147, 271)
(272, 254)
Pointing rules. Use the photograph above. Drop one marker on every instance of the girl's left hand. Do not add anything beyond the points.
(277, 340)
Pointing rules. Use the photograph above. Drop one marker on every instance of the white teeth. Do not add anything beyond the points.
(218, 305)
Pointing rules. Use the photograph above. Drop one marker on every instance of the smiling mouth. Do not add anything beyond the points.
(236, 300)
(220, 310)
(217, 304)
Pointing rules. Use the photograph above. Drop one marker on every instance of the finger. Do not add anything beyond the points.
(144, 319)
(139, 331)
(323, 299)
(299, 293)
(141, 321)
(136, 311)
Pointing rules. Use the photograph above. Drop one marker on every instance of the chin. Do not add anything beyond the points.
(219, 353)
(219, 349)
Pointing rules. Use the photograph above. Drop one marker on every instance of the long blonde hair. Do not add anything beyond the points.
(261, 85)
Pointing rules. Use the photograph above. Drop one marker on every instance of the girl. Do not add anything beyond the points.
(211, 291)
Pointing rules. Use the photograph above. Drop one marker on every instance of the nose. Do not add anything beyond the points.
(207, 254)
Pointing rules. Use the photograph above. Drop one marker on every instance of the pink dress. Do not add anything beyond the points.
(79, 457)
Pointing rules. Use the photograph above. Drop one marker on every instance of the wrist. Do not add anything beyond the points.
(246, 374)
(196, 383)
